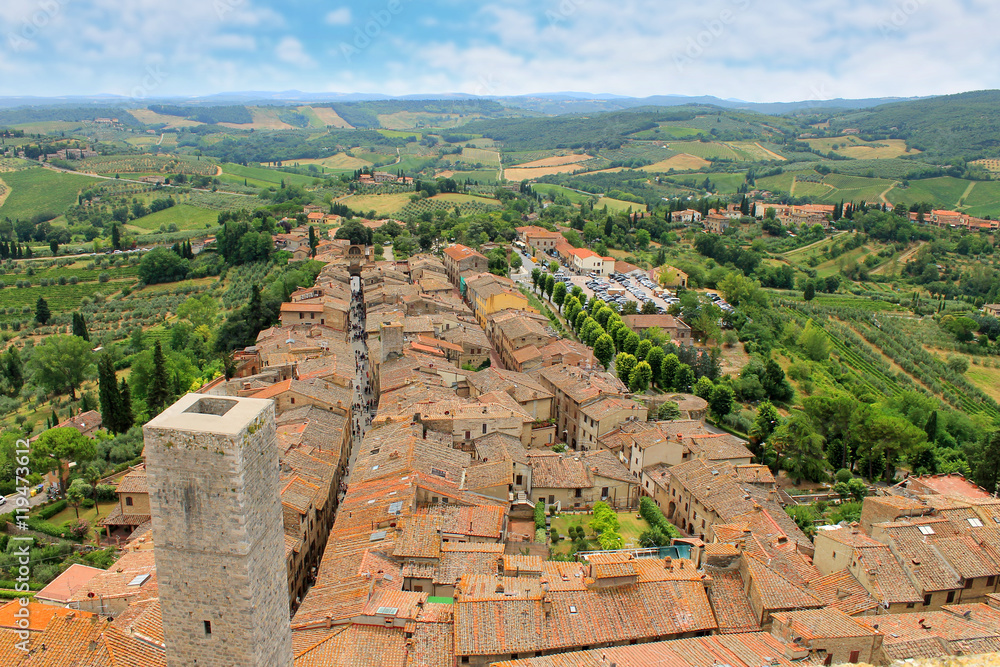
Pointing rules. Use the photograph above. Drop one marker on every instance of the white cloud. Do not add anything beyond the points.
(290, 50)
(340, 16)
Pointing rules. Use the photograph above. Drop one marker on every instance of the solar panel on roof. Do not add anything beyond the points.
(377, 535)
(139, 580)
(395, 507)
(387, 611)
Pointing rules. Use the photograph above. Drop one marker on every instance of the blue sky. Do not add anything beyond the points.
(756, 50)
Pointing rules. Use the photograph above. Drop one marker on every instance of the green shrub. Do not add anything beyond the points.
(13, 595)
(540, 516)
(843, 475)
(540, 536)
(51, 510)
(652, 514)
(554, 535)
(87, 503)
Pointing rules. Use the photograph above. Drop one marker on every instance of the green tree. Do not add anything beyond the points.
(801, 448)
(668, 371)
(642, 239)
(810, 291)
(722, 400)
(559, 294)
(75, 494)
(625, 363)
(640, 378)
(642, 351)
(109, 394)
(814, 342)
(553, 266)
(764, 424)
(61, 363)
(649, 308)
(13, 370)
(536, 276)
(116, 238)
(200, 311)
(125, 417)
(56, 448)
(631, 343)
(655, 360)
(580, 318)
(80, 327)
(668, 411)
(703, 387)
(984, 460)
(550, 284)
(42, 312)
(158, 393)
(683, 378)
(515, 261)
(604, 350)
(161, 265)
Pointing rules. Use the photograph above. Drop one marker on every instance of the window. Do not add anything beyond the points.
(208, 628)
(855, 655)
(975, 523)
(910, 605)
(829, 659)
(605, 490)
(927, 600)
(128, 501)
(519, 480)
(302, 316)
(468, 435)
(991, 580)
(926, 530)
(951, 596)
(484, 428)
(968, 583)
(579, 493)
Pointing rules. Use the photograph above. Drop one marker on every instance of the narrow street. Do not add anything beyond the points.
(363, 407)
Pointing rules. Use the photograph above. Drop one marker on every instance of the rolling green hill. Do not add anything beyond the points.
(38, 190)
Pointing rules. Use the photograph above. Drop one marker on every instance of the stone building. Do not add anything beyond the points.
(212, 467)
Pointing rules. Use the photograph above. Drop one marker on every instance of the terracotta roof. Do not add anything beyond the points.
(300, 307)
(730, 603)
(824, 624)
(777, 592)
(134, 482)
(558, 471)
(841, 590)
(885, 575)
(66, 585)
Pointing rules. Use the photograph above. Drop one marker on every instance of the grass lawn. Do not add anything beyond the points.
(631, 528)
(91, 515)
(40, 190)
(184, 216)
(618, 206)
(381, 204)
(986, 379)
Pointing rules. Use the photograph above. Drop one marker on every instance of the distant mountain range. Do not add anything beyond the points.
(543, 103)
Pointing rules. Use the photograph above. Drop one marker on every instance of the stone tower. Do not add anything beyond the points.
(212, 466)
(391, 335)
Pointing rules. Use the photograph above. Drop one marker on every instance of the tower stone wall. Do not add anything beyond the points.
(391, 335)
(212, 467)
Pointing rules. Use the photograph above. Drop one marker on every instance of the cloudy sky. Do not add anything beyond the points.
(755, 50)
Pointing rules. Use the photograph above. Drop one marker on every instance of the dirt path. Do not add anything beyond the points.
(902, 259)
(791, 190)
(882, 196)
(4, 192)
(771, 153)
(965, 195)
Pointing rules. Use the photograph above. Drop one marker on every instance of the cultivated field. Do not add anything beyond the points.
(153, 118)
(559, 164)
(474, 155)
(682, 162)
(339, 161)
(618, 205)
(381, 204)
(147, 164)
(857, 148)
(330, 117)
(39, 190)
(185, 216)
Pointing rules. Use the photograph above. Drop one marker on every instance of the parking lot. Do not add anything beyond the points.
(622, 288)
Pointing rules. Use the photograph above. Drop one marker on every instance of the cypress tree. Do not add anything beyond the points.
(108, 394)
(13, 371)
(125, 418)
(42, 312)
(116, 239)
(80, 326)
(159, 386)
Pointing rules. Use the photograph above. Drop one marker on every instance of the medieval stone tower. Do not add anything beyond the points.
(212, 465)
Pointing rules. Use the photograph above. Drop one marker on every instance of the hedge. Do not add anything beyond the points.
(13, 595)
(50, 511)
(652, 514)
(540, 516)
(42, 526)
(35, 586)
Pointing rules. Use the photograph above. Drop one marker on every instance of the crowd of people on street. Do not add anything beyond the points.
(364, 402)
